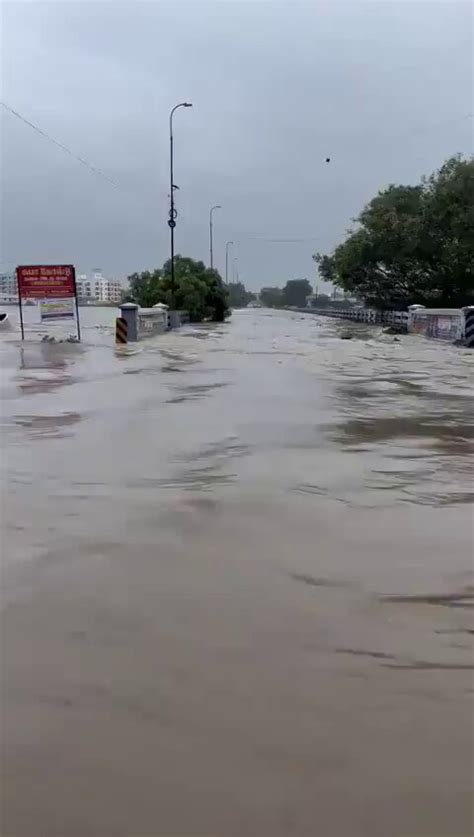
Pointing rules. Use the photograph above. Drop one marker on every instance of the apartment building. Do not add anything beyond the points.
(8, 287)
(97, 288)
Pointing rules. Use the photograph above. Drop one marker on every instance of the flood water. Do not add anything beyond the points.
(237, 583)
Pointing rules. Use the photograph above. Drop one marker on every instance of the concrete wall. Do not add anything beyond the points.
(439, 323)
(152, 321)
(147, 322)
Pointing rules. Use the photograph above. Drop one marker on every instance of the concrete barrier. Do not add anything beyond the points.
(439, 323)
(148, 322)
(174, 319)
(152, 321)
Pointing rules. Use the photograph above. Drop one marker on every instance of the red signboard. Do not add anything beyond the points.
(42, 281)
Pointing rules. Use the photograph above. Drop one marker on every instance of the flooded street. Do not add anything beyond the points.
(237, 583)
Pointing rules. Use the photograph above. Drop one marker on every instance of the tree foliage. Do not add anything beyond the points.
(198, 289)
(413, 243)
(271, 297)
(239, 296)
(143, 288)
(295, 292)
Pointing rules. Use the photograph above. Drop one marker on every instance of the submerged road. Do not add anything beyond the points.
(237, 582)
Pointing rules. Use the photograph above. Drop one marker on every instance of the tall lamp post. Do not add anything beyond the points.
(228, 244)
(211, 252)
(173, 213)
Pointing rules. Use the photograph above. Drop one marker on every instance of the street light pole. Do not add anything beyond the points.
(228, 243)
(172, 212)
(211, 253)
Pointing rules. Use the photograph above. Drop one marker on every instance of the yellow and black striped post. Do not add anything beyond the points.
(121, 330)
(469, 326)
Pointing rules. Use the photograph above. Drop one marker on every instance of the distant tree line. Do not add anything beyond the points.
(412, 244)
(293, 295)
(239, 296)
(198, 289)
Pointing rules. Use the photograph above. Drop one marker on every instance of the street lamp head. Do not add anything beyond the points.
(187, 104)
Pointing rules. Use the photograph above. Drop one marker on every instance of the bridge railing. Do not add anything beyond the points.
(396, 319)
(456, 325)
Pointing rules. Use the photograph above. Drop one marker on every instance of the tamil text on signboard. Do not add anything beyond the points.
(41, 281)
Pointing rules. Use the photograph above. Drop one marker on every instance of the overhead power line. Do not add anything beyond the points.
(60, 145)
(279, 240)
(425, 129)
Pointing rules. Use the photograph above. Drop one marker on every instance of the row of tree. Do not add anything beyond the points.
(412, 244)
(239, 296)
(198, 289)
(294, 295)
(201, 291)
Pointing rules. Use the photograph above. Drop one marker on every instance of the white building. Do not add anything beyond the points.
(8, 287)
(98, 288)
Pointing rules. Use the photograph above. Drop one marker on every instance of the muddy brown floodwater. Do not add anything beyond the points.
(237, 584)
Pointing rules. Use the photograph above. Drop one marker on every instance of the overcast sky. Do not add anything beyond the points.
(382, 88)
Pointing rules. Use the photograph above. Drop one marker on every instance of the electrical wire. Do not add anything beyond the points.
(286, 240)
(60, 145)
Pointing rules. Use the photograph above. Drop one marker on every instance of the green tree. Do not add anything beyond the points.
(271, 297)
(198, 289)
(143, 288)
(413, 243)
(295, 292)
(239, 297)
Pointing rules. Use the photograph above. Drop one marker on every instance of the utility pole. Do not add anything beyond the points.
(211, 252)
(172, 213)
(228, 244)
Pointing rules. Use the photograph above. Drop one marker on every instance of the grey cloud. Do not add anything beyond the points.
(379, 87)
